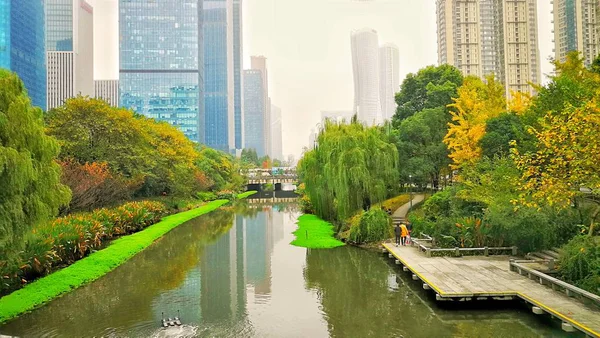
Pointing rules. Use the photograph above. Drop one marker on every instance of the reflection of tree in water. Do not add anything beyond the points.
(357, 301)
(125, 295)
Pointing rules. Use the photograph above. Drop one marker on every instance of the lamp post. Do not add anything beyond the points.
(410, 191)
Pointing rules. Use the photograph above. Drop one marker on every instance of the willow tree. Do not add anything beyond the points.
(352, 167)
(30, 189)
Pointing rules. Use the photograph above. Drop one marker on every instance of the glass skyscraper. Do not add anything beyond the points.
(238, 74)
(162, 65)
(254, 109)
(218, 75)
(22, 45)
(59, 25)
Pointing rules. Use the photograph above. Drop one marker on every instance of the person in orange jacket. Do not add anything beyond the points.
(403, 234)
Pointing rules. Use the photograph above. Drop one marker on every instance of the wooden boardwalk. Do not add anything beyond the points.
(475, 277)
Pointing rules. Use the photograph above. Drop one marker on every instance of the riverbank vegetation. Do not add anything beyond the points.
(104, 171)
(315, 233)
(94, 266)
(518, 172)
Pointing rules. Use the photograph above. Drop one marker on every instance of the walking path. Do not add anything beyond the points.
(403, 210)
(478, 277)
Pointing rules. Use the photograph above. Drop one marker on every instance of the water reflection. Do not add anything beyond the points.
(232, 273)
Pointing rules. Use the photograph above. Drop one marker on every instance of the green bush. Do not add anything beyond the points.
(374, 225)
(580, 263)
(206, 196)
(226, 195)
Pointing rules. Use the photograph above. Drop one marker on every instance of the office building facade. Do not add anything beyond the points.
(70, 50)
(389, 79)
(162, 62)
(276, 133)
(365, 66)
(22, 45)
(576, 27)
(254, 127)
(238, 74)
(107, 90)
(486, 37)
(259, 63)
(219, 88)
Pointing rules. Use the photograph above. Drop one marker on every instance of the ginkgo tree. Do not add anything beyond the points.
(564, 166)
(477, 102)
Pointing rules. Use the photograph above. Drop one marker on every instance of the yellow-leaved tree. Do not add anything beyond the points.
(476, 103)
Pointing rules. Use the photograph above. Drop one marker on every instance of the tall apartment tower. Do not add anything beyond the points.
(576, 27)
(161, 54)
(276, 133)
(219, 78)
(260, 63)
(365, 65)
(389, 79)
(23, 45)
(238, 74)
(108, 90)
(70, 50)
(483, 37)
(254, 122)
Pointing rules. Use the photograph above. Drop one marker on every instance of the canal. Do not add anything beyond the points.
(232, 273)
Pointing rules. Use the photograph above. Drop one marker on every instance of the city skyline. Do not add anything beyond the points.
(274, 29)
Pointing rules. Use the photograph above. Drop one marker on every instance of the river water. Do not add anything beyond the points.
(232, 273)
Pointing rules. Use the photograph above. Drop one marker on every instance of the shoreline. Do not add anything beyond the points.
(97, 264)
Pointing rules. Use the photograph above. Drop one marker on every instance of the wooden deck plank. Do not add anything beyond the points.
(478, 275)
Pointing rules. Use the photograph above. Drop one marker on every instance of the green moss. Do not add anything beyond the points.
(94, 266)
(315, 233)
(246, 194)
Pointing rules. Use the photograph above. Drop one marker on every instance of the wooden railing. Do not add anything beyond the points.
(554, 283)
(457, 252)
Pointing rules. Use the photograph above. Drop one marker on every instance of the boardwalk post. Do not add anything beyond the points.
(514, 250)
(486, 251)
(456, 252)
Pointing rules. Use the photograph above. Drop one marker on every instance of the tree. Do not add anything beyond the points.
(30, 191)
(249, 156)
(500, 131)
(220, 168)
(352, 167)
(476, 103)
(421, 149)
(565, 120)
(431, 87)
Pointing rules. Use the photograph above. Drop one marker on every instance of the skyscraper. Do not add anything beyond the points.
(576, 27)
(22, 45)
(219, 88)
(276, 133)
(491, 37)
(108, 90)
(260, 63)
(389, 79)
(365, 64)
(162, 62)
(336, 115)
(70, 50)
(238, 74)
(254, 105)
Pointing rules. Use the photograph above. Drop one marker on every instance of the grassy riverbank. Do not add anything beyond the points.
(246, 194)
(315, 233)
(95, 265)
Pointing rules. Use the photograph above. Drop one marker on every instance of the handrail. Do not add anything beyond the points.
(570, 290)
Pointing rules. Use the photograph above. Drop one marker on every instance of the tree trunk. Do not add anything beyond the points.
(594, 215)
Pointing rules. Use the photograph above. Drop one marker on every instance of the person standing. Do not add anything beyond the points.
(409, 228)
(397, 232)
(403, 233)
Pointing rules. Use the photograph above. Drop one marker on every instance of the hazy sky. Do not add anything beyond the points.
(307, 44)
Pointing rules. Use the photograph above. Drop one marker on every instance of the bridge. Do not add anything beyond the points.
(275, 176)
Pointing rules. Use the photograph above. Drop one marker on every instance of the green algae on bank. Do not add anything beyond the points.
(94, 266)
(315, 233)
(246, 194)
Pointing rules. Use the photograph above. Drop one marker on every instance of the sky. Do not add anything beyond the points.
(307, 45)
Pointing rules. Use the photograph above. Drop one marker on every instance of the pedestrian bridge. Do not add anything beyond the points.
(272, 176)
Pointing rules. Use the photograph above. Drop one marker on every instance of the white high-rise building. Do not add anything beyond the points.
(260, 63)
(70, 50)
(576, 27)
(365, 65)
(336, 115)
(491, 37)
(276, 133)
(108, 90)
(389, 79)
